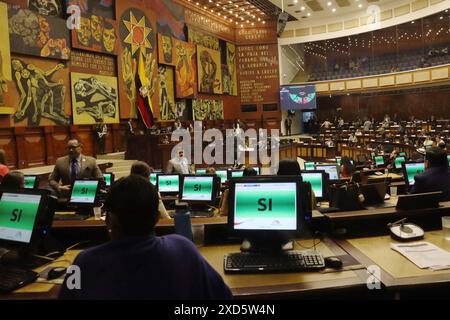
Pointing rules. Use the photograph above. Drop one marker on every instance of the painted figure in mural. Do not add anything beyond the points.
(84, 34)
(88, 91)
(45, 7)
(37, 89)
(164, 102)
(184, 71)
(209, 71)
(109, 37)
(167, 45)
(128, 72)
(231, 63)
(3, 83)
(97, 23)
(151, 72)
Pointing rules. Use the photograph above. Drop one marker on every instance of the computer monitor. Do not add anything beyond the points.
(84, 193)
(265, 208)
(200, 171)
(109, 179)
(235, 173)
(168, 183)
(198, 189)
(398, 162)
(310, 166)
(402, 154)
(410, 170)
(153, 178)
(31, 182)
(319, 182)
(332, 170)
(379, 161)
(339, 160)
(222, 174)
(448, 158)
(20, 211)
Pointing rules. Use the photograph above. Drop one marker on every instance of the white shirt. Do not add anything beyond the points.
(184, 165)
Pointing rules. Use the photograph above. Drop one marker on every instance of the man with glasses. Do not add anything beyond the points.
(71, 167)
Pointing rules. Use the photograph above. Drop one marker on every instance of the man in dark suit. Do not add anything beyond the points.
(436, 176)
(71, 167)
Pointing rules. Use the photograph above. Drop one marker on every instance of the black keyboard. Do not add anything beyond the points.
(289, 261)
(12, 278)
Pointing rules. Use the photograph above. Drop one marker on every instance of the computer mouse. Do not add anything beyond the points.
(333, 262)
(56, 272)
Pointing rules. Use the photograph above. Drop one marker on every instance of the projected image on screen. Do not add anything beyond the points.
(315, 179)
(412, 170)
(169, 183)
(84, 192)
(18, 214)
(197, 188)
(265, 206)
(298, 97)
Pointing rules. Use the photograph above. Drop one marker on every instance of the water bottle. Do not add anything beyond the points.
(182, 219)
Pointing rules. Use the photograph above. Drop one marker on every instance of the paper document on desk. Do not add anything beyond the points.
(424, 255)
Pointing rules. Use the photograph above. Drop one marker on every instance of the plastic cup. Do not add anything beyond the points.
(446, 227)
(198, 234)
(393, 191)
(98, 212)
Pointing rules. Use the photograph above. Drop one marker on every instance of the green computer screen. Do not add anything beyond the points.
(84, 192)
(197, 188)
(398, 162)
(402, 154)
(315, 179)
(153, 178)
(339, 160)
(18, 215)
(412, 170)
(379, 160)
(222, 174)
(448, 158)
(237, 174)
(30, 181)
(310, 165)
(168, 183)
(265, 206)
(200, 171)
(107, 177)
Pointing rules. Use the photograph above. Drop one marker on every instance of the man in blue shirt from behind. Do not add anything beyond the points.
(138, 265)
(436, 176)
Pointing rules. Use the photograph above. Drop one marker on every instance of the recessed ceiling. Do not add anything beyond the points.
(322, 9)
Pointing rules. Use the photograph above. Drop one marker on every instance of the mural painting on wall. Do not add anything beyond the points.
(5, 57)
(96, 34)
(166, 93)
(137, 34)
(46, 7)
(185, 70)
(182, 112)
(166, 50)
(103, 8)
(38, 35)
(209, 71)
(170, 20)
(38, 90)
(94, 99)
(231, 69)
(205, 109)
(203, 39)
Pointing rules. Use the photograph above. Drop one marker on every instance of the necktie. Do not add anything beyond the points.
(73, 170)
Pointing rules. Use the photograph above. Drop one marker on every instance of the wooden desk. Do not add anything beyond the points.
(44, 290)
(397, 272)
(273, 286)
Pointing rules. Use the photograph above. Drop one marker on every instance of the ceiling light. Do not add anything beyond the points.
(360, 5)
(329, 3)
(334, 9)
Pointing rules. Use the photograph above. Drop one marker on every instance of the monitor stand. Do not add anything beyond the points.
(266, 246)
(200, 210)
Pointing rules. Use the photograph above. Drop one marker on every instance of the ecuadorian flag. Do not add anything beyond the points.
(144, 102)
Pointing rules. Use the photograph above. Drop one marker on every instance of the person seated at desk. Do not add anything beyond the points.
(14, 180)
(136, 264)
(3, 167)
(179, 164)
(347, 167)
(248, 172)
(436, 176)
(428, 143)
(72, 167)
(142, 169)
(352, 139)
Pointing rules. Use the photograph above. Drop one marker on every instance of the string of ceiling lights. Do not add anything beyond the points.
(240, 12)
